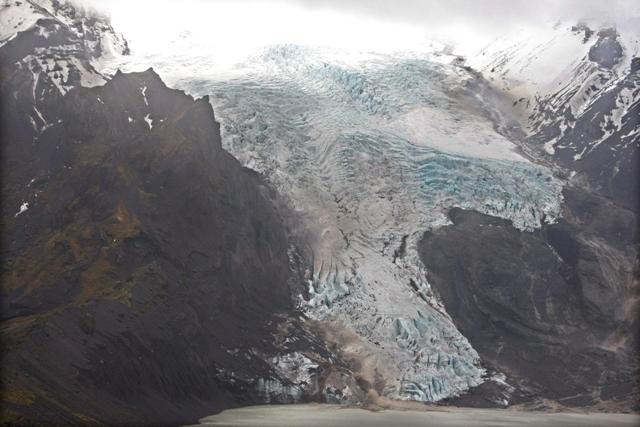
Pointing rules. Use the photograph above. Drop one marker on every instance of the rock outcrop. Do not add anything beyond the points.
(554, 309)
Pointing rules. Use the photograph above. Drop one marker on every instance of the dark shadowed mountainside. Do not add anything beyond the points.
(554, 309)
(144, 270)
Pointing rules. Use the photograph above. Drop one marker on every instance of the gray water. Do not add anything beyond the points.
(314, 415)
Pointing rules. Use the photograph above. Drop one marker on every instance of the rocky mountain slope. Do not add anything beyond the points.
(148, 277)
(556, 310)
(576, 88)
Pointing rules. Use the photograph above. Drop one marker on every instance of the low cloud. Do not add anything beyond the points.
(484, 14)
(469, 24)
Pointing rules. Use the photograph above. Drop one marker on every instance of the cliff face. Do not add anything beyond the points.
(555, 309)
(142, 265)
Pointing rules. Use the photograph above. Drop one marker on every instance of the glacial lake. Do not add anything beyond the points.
(316, 415)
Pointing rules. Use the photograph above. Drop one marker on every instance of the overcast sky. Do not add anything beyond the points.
(401, 22)
(482, 13)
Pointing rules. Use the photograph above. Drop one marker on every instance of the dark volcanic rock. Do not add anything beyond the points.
(146, 281)
(554, 309)
(583, 28)
(607, 51)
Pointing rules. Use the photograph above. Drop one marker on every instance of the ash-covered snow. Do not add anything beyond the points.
(294, 377)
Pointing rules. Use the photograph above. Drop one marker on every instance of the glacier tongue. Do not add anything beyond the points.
(371, 154)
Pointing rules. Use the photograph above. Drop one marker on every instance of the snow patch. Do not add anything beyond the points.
(144, 95)
(149, 121)
(23, 208)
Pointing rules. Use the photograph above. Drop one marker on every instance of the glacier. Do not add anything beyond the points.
(371, 150)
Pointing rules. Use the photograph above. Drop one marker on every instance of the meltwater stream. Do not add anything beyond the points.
(371, 151)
